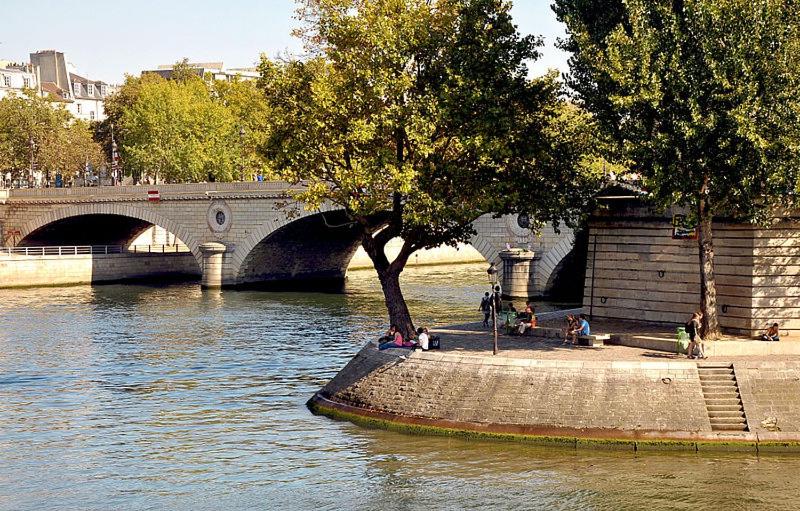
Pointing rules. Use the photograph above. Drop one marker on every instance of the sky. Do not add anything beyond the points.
(106, 40)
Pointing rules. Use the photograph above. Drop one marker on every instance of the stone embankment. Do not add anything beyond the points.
(575, 402)
(55, 270)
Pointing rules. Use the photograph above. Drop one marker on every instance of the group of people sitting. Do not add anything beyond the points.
(577, 326)
(517, 323)
(394, 339)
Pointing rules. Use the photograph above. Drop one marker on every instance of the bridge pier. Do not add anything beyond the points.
(212, 264)
(518, 279)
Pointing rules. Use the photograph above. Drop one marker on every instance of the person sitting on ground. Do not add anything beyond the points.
(396, 341)
(695, 341)
(423, 338)
(572, 324)
(771, 333)
(581, 329)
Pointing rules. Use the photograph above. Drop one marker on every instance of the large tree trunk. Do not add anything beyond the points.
(389, 276)
(708, 285)
(395, 302)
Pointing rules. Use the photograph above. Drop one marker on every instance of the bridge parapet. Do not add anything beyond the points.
(190, 191)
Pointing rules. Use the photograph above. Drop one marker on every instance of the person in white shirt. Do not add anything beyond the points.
(422, 338)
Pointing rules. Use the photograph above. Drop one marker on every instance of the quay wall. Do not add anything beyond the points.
(27, 271)
(636, 271)
(628, 404)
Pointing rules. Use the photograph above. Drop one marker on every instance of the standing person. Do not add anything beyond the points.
(695, 341)
(486, 308)
(771, 333)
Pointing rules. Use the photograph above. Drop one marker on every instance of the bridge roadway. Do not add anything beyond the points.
(240, 233)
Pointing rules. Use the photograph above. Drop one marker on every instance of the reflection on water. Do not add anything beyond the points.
(126, 397)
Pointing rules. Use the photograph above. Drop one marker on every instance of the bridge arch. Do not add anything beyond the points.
(314, 247)
(145, 216)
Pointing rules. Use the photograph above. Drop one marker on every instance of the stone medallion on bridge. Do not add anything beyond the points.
(219, 217)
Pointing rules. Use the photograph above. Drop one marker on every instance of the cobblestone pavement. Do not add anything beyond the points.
(474, 339)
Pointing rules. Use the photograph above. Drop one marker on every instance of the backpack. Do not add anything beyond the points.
(690, 329)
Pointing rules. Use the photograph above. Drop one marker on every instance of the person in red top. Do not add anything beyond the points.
(396, 340)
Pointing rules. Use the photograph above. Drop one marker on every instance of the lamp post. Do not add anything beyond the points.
(241, 157)
(492, 272)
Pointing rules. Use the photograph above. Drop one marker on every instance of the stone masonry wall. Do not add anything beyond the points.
(770, 390)
(640, 272)
(597, 395)
(22, 271)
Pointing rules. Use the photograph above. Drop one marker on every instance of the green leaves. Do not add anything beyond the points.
(174, 131)
(695, 89)
(420, 115)
(34, 127)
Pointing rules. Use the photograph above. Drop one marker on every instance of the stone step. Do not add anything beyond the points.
(728, 420)
(729, 427)
(725, 408)
(724, 414)
(715, 370)
(723, 401)
(728, 391)
(717, 377)
(718, 385)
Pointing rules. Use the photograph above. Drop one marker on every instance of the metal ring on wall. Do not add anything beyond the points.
(661, 273)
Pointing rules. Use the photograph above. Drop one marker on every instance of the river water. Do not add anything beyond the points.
(134, 397)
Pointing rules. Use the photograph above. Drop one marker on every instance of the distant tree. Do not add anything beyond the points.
(27, 121)
(416, 118)
(35, 129)
(68, 150)
(249, 108)
(703, 98)
(174, 131)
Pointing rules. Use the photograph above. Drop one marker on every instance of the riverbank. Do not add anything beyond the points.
(542, 391)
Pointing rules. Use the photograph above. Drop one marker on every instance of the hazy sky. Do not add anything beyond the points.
(105, 40)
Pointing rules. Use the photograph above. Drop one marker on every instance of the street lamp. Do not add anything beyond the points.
(241, 157)
(492, 273)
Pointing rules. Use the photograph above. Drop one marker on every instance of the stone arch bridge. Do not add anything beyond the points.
(239, 233)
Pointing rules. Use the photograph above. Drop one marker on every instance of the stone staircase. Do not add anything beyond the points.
(721, 393)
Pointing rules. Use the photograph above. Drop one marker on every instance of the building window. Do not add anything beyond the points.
(76, 87)
(91, 115)
(7, 80)
(90, 89)
(103, 90)
(26, 82)
(79, 107)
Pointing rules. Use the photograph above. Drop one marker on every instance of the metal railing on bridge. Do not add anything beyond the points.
(93, 250)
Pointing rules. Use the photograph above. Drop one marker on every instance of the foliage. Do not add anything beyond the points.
(33, 128)
(209, 127)
(247, 105)
(417, 117)
(70, 149)
(702, 98)
(174, 130)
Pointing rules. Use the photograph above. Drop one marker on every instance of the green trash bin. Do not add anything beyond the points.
(682, 342)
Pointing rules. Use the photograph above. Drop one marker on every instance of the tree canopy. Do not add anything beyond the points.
(175, 132)
(34, 129)
(417, 117)
(187, 128)
(703, 99)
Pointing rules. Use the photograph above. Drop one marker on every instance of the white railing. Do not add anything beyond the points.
(93, 250)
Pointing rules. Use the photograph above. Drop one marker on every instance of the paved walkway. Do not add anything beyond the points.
(474, 339)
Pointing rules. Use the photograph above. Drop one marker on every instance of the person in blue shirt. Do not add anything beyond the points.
(581, 329)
